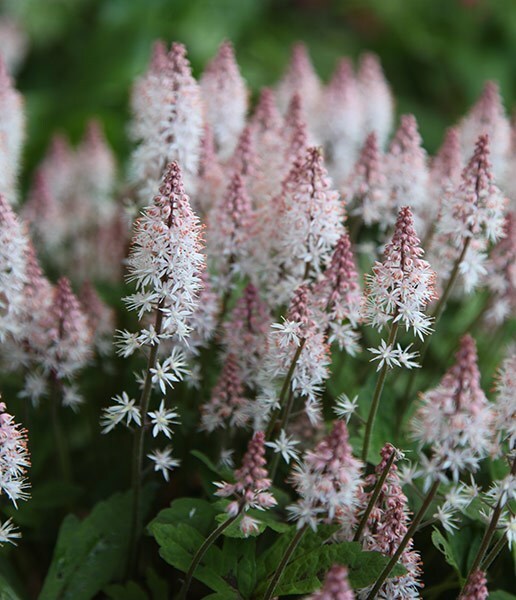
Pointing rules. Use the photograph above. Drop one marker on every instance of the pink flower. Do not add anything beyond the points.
(252, 483)
(377, 100)
(69, 335)
(227, 406)
(300, 77)
(501, 277)
(367, 186)
(402, 286)
(387, 525)
(308, 226)
(326, 481)
(211, 178)
(406, 169)
(487, 117)
(224, 95)
(245, 333)
(335, 587)
(14, 245)
(476, 588)
(229, 232)
(167, 125)
(295, 130)
(12, 134)
(455, 419)
(340, 121)
(101, 318)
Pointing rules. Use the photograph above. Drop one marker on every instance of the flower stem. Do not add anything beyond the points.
(286, 386)
(283, 425)
(488, 535)
(374, 497)
(198, 556)
(138, 447)
(284, 561)
(493, 554)
(406, 539)
(60, 440)
(376, 397)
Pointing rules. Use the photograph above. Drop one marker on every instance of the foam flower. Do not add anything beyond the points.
(224, 95)
(167, 121)
(455, 419)
(252, 484)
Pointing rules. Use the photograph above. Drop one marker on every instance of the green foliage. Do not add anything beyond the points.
(312, 559)
(90, 553)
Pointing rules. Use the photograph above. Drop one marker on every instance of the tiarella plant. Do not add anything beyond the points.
(292, 265)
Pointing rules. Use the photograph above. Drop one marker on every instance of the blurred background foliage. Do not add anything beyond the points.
(84, 54)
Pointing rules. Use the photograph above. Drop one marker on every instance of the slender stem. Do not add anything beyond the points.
(139, 443)
(283, 425)
(286, 386)
(436, 315)
(62, 448)
(488, 534)
(284, 561)
(374, 497)
(493, 554)
(377, 395)
(198, 556)
(406, 539)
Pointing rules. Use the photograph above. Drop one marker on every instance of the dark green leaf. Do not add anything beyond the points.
(90, 553)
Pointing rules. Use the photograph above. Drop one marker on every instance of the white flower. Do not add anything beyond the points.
(8, 532)
(72, 397)
(35, 388)
(285, 446)
(446, 515)
(406, 358)
(162, 376)
(126, 343)
(386, 354)
(162, 419)
(163, 461)
(288, 332)
(344, 407)
(510, 531)
(305, 513)
(124, 408)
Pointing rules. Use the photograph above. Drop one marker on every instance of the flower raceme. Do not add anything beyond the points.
(14, 461)
(455, 419)
(401, 286)
(251, 486)
(327, 481)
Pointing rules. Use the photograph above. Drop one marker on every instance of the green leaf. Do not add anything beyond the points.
(90, 553)
(199, 514)
(306, 570)
(501, 595)
(179, 542)
(441, 543)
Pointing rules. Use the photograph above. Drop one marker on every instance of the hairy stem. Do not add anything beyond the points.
(376, 397)
(60, 439)
(406, 539)
(198, 556)
(374, 497)
(488, 535)
(139, 444)
(285, 387)
(284, 561)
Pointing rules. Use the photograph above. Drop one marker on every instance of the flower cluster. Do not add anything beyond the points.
(251, 486)
(327, 481)
(455, 419)
(14, 461)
